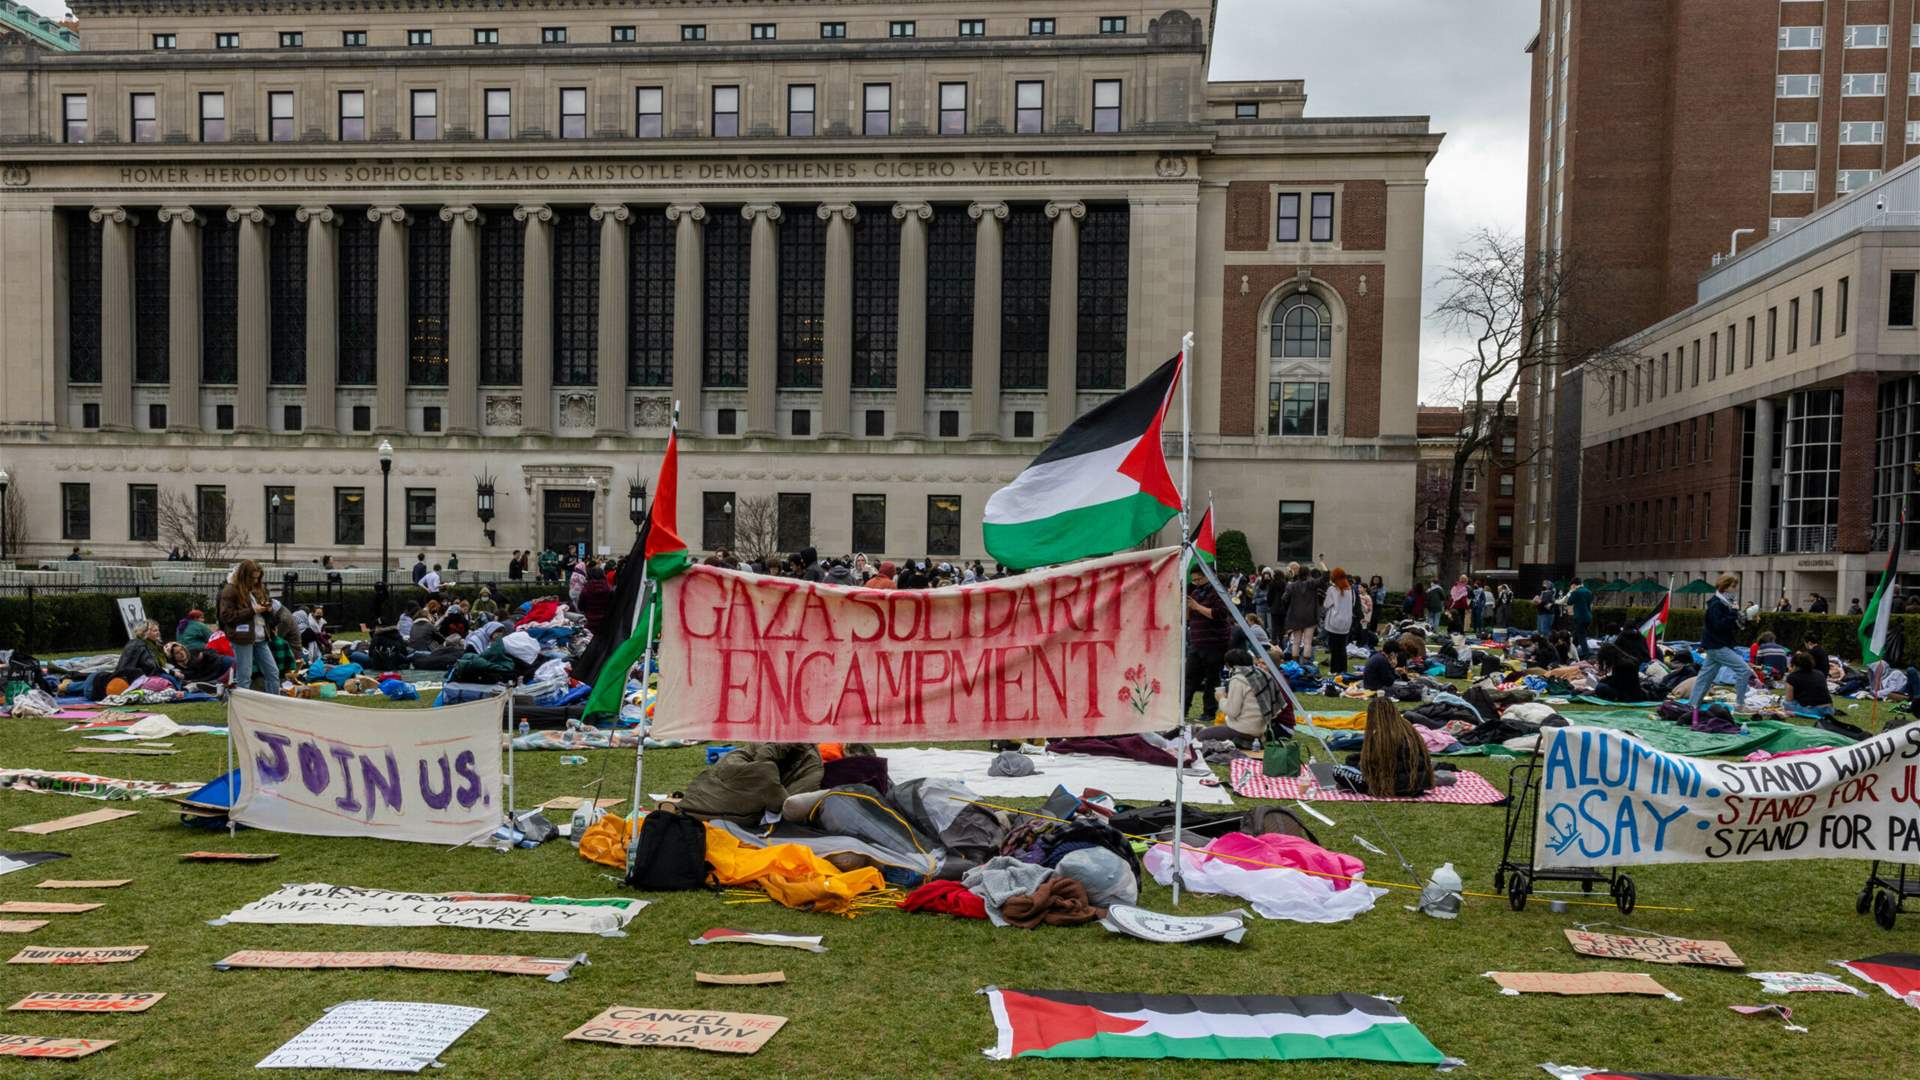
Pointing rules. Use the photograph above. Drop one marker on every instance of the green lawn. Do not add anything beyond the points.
(894, 996)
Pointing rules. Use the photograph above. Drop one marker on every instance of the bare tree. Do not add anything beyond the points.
(181, 527)
(756, 528)
(1431, 488)
(16, 514)
(1520, 309)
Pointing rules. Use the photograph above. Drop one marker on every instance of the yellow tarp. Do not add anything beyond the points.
(605, 841)
(792, 875)
(1356, 722)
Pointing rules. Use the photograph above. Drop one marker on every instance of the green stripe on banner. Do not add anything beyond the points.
(1399, 1042)
(1081, 533)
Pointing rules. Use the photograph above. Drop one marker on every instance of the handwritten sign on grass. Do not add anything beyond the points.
(722, 1033)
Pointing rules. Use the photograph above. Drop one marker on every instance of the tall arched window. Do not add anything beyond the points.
(1304, 328)
(1300, 367)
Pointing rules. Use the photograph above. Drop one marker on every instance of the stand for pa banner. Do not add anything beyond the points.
(1517, 877)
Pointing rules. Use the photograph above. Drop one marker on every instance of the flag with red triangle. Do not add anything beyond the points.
(658, 553)
(1655, 627)
(1202, 539)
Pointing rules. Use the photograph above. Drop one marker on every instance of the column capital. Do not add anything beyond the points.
(923, 211)
(322, 214)
(1071, 207)
(770, 211)
(534, 212)
(980, 209)
(469, 214)
(116, 214)
(256, 215)
(617, 212)
(694, 211)
(396, 214)
(829, 211)
(186, 215)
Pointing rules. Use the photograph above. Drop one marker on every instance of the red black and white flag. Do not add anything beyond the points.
(1896, 973)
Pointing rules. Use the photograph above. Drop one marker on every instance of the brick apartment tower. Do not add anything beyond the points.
(1657, 128)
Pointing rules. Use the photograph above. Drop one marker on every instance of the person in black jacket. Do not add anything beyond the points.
(1621, 678)
(1719, 652)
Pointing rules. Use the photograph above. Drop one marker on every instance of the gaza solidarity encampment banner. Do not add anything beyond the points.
(335, 770)
(1086, 649)
(1607, 799)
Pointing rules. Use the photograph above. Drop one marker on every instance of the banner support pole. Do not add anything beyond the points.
(512, 733)
(233, 782)
(1185, 740)
(647, 587)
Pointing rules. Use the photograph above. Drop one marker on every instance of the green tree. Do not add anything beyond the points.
(1232, 555)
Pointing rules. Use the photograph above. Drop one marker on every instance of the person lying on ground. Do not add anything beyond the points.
(206, 666)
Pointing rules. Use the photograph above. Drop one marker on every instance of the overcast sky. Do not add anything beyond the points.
(1458, 61)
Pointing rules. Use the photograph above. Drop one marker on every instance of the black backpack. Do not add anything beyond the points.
(672, 856)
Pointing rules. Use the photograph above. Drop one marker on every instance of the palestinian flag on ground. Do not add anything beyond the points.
(1655, 627)
(1102, 486)
(1070, 1024)
(1202, 539)
(1874, 621)
(658, 553)
(1896, 973)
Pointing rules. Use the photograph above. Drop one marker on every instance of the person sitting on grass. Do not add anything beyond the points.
(205, 666)
(1768, 653)
(1807, 686)
(1383, 668)
(1250, 698)
(1393, 762)
(1620, 675)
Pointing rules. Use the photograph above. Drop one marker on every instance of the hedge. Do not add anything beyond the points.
(1838, 633)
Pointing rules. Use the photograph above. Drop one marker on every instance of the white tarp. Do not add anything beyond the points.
(1276, 892)
(429, 775)
(345, 905)
(390, 1036)
(1122, 778)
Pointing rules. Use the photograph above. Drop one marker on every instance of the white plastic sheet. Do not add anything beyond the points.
(1274, 892)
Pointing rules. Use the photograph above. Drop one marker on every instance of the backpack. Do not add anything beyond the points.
(672, 855)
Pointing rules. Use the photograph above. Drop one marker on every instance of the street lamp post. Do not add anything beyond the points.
(637, 503)
(276, 530)
(386, 491)
(1470, 526)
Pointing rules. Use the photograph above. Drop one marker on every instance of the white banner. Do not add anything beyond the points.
(1608, 799)
(388, 1036)
(430, 775)
(345, 905)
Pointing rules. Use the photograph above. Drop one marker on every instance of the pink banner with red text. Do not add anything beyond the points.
(1086, 649)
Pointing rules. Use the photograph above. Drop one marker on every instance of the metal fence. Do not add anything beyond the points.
(119, 579)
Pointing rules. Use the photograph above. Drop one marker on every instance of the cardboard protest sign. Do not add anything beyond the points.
(345, 905)
(20, 860)
(72, 821)
(1608, 799)
(551, 969)
(30, 907)
(763, 978)
(41, 1046)
(229, 856)
(89, 786)
(1076, 650)
(321, 769)
(132, 612)
(92, 954)
(21, 926)
(104, 883)
(1175, 929)
(388, 1036)
(1802, 982)
(1578, 983)
(575, 802)
(723, 1033)
(1652, 950)
(51, 1001)
(810, 943)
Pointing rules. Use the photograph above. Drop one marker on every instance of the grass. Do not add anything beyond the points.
(894, 996)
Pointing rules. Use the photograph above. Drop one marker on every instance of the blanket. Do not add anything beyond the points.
(1471, 789)
(1773, 736)
(1127, 781)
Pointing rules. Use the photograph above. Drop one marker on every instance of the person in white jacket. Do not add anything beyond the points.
(1339, 613)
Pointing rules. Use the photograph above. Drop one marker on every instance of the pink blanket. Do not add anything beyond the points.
(1277, 849)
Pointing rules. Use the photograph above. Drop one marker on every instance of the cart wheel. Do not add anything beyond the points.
(1624, 894)
(1500, 883)
(1517, 890)
(1865, 903)
(1884, 910)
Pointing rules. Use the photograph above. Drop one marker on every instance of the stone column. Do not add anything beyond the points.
(390, 324)
(910, 380)
(322, 413)
(763, 318)
(836, 368)
(689, 309)
(536, 322)
(986, 317)
(116, 316)
(183, 317)
(1762, 478)
(253, 317)
(1063, 316)
(611, 386)
(463, 319)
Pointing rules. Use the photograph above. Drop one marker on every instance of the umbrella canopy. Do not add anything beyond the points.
(1647, 585)
(1613, 587)
(1696, 587)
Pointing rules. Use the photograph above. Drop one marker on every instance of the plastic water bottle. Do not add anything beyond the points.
(525, 729)
(573, 759)
(1441, 896)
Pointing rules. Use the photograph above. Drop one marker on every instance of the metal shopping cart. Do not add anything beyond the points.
(1518, 878)
(1888, 887)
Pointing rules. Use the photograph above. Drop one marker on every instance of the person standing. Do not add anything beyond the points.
(1503, 607)
(1543, 610)
(242, 607)
(1208, 633)
(1339, 613)
(1719, 652)
(419, 567)
(1580, 604)
(1436, 604)
(1458, 602)
(1300, 609)
(1816, 604)
(1482, 600)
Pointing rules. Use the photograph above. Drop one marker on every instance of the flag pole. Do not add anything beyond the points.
(1186, 552)
(647, 585)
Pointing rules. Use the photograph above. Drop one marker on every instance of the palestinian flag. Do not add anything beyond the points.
(1102, 486)
(1071, 1024)
(1202, 540)
(1896, 973)
(658, 553)
(1873, 622)
(1655, 627)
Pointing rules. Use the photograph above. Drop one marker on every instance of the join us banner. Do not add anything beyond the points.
(1085, 649)
(1608, 799)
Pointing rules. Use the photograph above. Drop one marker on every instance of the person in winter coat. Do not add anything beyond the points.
(1300, 613)
(1436, 604)
(1243, 713)
(142, 656)
(1209, 631)
(1719, 654)
(1339, 613)
(1502, 607)
(242, 608)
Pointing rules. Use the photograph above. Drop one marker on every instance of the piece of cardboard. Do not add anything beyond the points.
(34, 907)
(229, 856)
(1578, 983)
(74, 821)
(721, 1033)
(550, 968)
(724, 936)
(21, 926)
(575, 802)
(1649, 950)
(56, 1001)
(129, 751)
(89, 954)
(764, 978)
(42, 1046)
(103, 883)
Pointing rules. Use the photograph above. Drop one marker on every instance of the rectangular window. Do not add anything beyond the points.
(1039, 27)
(213, 118)
(833, 31)
(90, 415)
(73, 116)
(1773, 332)
(422, 511)
(1860, 84)
(291, 418)
(1296, 531)
(163, 41)
(426, 114)
(210, 514)
(223, 417)
(901, 28)
(1866, 37)
(573, 113)
(1287, 218)
(226, 41)
(623, 35)
(353, 116)
(870, 524)
(1023, 424)
(1506, 483)
(1298, 408)
(725, 422)
(1106, 105)
(1113, 24)
(1248, 110)
(1900, 298)
(1796, 86)
(350, 516)
(553, 35)
(943, 524)
(280, 116)
(1796, 134)
(76, 511)
(146, 124)
(419, 37)
(716, 520)
(1029, 103)
(1818, 314)
(362, 418)
(1863, 133)
(353, 39)
(800, 110)
(973, 28)
(953, 108)
(1840, 308)
(877, 113)
(1802, 37)
(764, 31)
(143, 512)
(1793, 326)
(793, 520)
(949, 423)
(647, 101)
(693, 32)
(292, 39)
(1793, 181)
(279, 518)
(801, 422)
(1855, 179)
(486, 37)
(499, 114)
(1913, 126)
(726, 112)
(1322, 220)
(1750, 340)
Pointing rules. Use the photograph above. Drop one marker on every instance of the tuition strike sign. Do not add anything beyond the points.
(1076, 650)
(1608, 799)
(334, 770)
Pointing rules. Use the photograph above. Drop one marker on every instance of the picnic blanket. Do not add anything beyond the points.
(1773, 736)
(1471, 789)
(1128, 781)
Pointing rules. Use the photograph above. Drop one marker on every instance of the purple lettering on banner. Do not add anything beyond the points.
(346, 802)
(437, 800)
(381, 786)
(272, 770)
(313, 768)
(469, 792)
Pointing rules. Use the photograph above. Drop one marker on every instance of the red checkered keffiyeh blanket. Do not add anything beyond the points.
(1471, 789)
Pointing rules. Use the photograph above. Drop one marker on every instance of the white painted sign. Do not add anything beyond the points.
(132, 612)
(389, 1036)
(345, 905)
